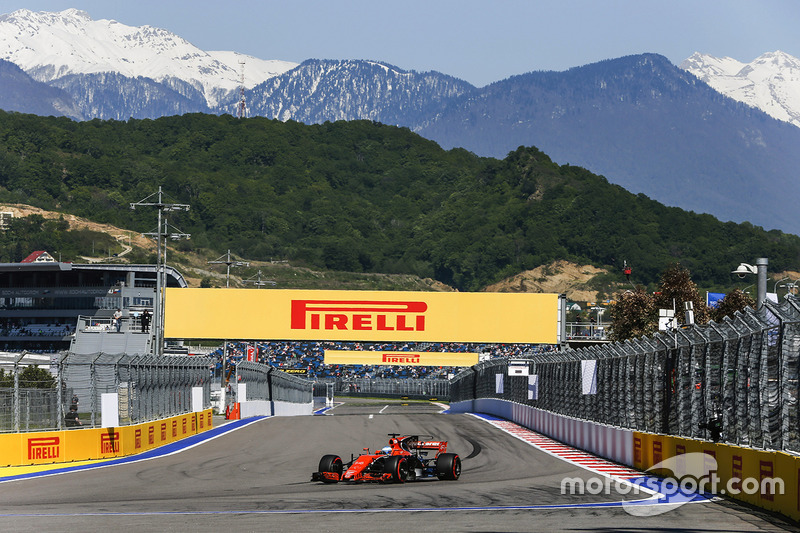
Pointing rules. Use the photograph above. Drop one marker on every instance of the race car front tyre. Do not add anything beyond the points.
(397, 466)
(448, 466)
(331, 464)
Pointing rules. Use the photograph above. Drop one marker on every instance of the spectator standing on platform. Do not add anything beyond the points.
(117, 319)
(146, 321)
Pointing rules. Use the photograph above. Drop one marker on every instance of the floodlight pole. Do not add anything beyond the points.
(161, 279)
(158, 303)
(259, 282)
(229, 262)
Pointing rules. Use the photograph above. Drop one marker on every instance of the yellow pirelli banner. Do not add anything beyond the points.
(361, 315)
(82, 444)
(353, 357)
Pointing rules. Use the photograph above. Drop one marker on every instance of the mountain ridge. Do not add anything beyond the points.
(771, 82)
(50, 46)
(639, 120)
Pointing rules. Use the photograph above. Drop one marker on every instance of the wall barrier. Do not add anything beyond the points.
(19, 449)
(261, 390)
(740, 472)
(251, 408)
(606, 441)
(292, 409)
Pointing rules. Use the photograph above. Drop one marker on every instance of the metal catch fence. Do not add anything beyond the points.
(427, 388)
(267, 383)
(736, 381)
(148, 388)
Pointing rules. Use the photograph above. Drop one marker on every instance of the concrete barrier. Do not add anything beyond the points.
(251, 408)
(292, 409)
(767, 479)
(606, 441)
(764, 478)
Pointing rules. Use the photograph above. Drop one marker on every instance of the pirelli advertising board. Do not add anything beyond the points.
(353, 357)
(361, 316)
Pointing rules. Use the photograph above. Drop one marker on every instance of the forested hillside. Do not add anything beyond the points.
(364, 197)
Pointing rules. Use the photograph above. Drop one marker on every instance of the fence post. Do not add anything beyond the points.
(93, 387)
(16, 392)
(60, 395)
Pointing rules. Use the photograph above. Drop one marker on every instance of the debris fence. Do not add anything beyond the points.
(735, 381)
(149, 388)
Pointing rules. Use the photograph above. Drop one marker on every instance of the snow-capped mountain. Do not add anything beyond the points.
(771, 82)
(639, 120)
(646, 125)
(51, 46)
(321, 90)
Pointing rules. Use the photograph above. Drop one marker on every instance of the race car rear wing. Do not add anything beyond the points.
(439, 445)
(412, 443)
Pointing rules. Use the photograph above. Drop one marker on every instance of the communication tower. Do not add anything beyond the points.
(242, 108)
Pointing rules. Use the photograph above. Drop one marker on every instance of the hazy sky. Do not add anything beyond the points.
(478, 41)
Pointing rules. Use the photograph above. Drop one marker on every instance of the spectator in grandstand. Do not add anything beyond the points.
(310, 356)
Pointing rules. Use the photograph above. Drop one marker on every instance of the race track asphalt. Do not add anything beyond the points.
(256, 478)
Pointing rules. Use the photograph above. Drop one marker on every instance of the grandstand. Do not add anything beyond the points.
(41, 300)
(308, 356)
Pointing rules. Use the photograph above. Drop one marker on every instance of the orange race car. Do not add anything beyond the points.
(404, 459)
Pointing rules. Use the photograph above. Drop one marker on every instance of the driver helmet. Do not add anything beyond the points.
(387, 450)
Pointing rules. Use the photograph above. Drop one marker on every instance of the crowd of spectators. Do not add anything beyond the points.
(12, 328)
(309, 356)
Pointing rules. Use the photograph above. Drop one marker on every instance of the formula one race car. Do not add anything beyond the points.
(404, 459)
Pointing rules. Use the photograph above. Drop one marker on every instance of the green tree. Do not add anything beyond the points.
(676, 289)
(636, 312)
(733, 301)
(33, 377)
(634, 315)
(353, 195)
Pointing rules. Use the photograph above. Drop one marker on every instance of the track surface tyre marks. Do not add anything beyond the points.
(265, 467)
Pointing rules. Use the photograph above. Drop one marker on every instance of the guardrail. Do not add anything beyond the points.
(589, 331)
(97, 324)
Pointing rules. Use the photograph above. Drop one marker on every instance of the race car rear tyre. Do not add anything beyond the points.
(448, 466)
(332, 464)
(397, 466)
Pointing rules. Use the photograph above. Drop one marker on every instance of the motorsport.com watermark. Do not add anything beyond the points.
(693, 474)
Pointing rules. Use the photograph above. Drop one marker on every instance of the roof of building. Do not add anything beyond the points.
(117, 267)
(39, 256)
